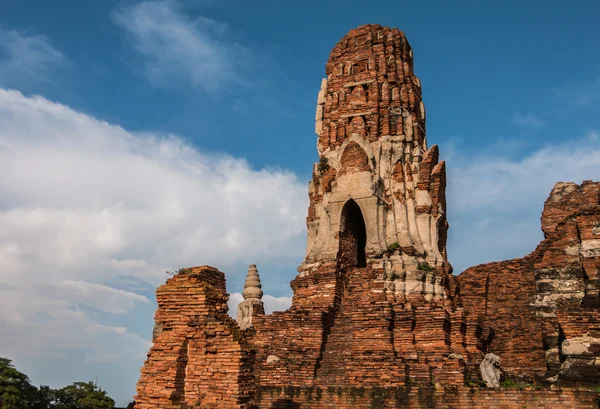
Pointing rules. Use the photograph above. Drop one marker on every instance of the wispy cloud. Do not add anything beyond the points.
(528, 120)
(581, 93)
(494, 202)
(27, 57)
(178, 49)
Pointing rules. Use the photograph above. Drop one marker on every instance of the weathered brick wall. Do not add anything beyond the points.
(289, 344)
(360, 348)
(370, 71)
(354, 159)
(503, 293)
(537, 302)
(346, 328)
(424, 398)
(199, 356)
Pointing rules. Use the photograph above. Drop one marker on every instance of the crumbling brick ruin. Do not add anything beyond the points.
(377, 318)
(545, 306)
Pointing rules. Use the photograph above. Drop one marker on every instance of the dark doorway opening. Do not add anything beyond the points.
(353, 237)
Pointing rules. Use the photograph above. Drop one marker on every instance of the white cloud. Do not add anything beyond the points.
(178, 48)
(276, 303)
(580, 93)
(89, 212)
(101, 297)
(494, 202)
(41, 322)
(500, 184)
(25, 57)
(528, 120)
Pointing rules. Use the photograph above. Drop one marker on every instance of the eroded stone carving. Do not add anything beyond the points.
(490, 370)
(321, 99)
(252, 303)
(272, 359)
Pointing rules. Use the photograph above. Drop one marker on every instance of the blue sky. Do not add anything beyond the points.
(143, 136)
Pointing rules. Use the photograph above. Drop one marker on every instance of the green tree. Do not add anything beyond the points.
(16, 392)
(44, 398)
(82, 395)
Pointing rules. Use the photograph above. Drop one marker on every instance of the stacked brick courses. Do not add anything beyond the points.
(425, 398)
(199, 356)
(351, 332)
(538, 302)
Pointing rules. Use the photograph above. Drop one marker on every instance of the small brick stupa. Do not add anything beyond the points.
(377, 319)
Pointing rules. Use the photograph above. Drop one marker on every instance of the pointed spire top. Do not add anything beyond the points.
(252, 288)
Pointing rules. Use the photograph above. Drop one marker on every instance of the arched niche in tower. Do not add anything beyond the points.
(353, 237)
(357, 126)
(354, 159)
(358, 96)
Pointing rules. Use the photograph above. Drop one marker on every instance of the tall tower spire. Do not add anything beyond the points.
(377, 195)
(252, 303)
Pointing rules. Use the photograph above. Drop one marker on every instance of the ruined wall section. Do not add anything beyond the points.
(425, 398)
(289, 344)
(347, 328)
(199, 356)
(544, 306)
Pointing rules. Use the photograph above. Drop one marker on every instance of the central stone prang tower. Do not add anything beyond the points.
(377, 195)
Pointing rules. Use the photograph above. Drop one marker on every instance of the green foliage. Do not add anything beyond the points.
(82, 395)
(389, 250)
(174, 273)
(16, 392)
(424, 266)
(323, 165)
(392, 247)
(479, 384)
(44, 398)
(509, 383)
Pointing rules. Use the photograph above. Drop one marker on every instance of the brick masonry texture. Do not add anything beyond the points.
(199, 356)
(377, 319)
(425, 398)
(544, 306)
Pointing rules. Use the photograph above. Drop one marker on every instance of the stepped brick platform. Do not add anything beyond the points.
(426, 398)
(377, 319)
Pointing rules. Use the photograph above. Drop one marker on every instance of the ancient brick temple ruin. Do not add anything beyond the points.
(377, 318)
